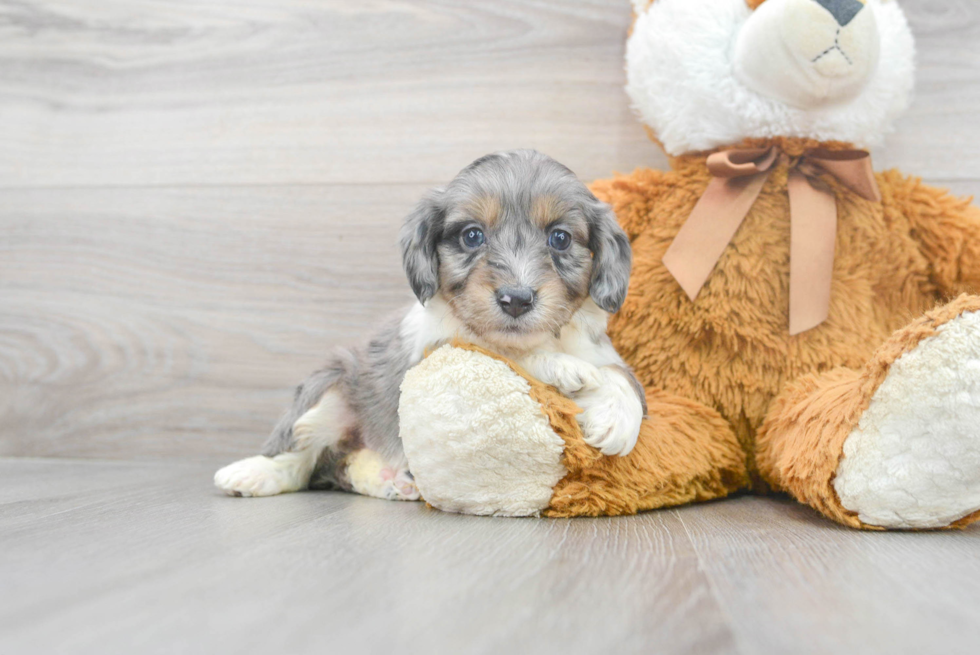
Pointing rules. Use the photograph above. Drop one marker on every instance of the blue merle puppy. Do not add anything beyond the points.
(516, 255)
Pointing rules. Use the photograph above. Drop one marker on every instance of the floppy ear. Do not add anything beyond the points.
(419, 236)
(612, 258)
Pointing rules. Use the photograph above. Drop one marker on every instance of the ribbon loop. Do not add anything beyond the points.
(737, 180)
(739, 163)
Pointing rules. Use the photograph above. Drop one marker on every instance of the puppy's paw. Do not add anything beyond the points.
(566, 373)
(404, 487)
(611, 415)
(370, 475)
(254, 476)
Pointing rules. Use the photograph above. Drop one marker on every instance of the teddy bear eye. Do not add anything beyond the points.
(559, 239)
(473, 237)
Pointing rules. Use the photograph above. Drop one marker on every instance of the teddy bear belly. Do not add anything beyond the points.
(730, 349)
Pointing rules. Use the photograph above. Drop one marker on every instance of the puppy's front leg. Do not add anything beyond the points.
(567, 373)
(612, 411)
(611, 399)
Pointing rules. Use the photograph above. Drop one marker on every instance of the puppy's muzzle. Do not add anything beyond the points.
(515, 300)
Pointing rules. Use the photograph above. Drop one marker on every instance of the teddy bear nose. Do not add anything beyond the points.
(843, 11)
(515, 300)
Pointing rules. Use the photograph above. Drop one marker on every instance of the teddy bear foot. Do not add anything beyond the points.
(913, 461)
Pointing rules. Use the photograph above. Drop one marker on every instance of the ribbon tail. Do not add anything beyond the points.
(812, 242)
(709, 229)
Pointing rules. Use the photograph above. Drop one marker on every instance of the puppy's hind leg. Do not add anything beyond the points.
(292, 452)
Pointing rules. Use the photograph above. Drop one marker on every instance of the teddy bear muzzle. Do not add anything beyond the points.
(808, 53)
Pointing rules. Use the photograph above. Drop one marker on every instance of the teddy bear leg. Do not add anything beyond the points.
(895, 445)
(686, 452)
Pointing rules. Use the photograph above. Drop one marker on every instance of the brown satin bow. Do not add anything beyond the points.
(738, 178)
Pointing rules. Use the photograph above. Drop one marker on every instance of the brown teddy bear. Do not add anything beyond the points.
(844, 373)
(800, 323)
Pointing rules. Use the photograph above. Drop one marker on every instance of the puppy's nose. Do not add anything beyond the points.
(843, 11)
(515, 300)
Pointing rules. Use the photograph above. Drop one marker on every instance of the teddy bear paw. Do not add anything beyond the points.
(914, 459)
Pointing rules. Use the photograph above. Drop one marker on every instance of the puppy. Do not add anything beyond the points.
(515, 255)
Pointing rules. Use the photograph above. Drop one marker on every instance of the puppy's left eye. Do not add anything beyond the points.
(559, 239)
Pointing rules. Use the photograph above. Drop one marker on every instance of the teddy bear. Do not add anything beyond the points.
(801, 323)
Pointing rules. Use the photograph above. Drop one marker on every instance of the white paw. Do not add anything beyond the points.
(566, 373)
(254, 476)
(914, 459)
(612, 414)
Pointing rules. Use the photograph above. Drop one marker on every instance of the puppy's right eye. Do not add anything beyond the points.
(473, 237)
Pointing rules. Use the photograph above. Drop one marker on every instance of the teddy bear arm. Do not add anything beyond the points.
(686, 453)
(946, 228)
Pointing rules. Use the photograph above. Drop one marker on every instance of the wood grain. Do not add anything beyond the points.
(160, 322)
(831, 589)
(122, 558)
(156, 92)
(146, 92)
(938, 136)
(199, 200)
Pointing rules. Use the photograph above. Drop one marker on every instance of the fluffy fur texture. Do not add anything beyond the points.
(484, 437)
(810, 425)
(477, 441)
(731, 350)
(913, 461)
(872, 406)
(879, 402)
(685, 453)
(514, 254)
(680, 63)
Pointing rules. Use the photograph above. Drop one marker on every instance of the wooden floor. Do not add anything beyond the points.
(113, 557)
(199, 199)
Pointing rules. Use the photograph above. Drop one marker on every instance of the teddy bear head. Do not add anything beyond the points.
(703, 74)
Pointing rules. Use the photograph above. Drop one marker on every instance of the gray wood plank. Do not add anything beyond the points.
(168, 564)
(938, 136)
(149, 558)
(162, 322)
(304, 92)
(150, 93)
(830, 589)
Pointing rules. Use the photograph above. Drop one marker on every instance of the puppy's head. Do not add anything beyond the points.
(515, 244)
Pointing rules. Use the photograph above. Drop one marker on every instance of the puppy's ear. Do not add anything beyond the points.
(612, 258)
(419, 237)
